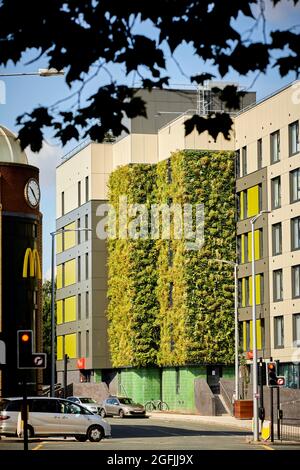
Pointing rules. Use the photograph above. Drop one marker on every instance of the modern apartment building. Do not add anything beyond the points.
(268, 178)
(81, 188)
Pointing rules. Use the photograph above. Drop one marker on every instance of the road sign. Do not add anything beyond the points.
(40, 361)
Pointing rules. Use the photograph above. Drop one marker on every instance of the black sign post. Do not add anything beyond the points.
(24, 416)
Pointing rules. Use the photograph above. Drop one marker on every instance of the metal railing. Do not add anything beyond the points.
(290, 429)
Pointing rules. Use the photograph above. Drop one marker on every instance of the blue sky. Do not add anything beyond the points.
(25, 92)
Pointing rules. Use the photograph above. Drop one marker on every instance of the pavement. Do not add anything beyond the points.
(223, 420)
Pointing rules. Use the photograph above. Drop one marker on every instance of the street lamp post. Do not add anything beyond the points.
(236, 325)
(41, 72)
(254, 341)
(53, 235)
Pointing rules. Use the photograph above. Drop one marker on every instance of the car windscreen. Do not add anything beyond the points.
(87, 400)
(125, 401)
(10, 405)
(67, 407)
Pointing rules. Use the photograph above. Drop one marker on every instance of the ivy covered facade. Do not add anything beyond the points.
(170, 306)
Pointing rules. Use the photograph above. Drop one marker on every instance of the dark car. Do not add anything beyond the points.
(121, 406)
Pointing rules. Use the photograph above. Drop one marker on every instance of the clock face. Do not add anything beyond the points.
(32, 193)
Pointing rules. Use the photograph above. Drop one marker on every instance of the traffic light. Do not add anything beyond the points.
(24, 345)
(27, 359)
(273, 380)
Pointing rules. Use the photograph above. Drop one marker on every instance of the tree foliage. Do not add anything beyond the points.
(82, 36)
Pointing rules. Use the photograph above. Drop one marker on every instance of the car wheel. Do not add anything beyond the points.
(95, 433)
(102, 413)
(81, 438)
(121, 413)
(30, 432)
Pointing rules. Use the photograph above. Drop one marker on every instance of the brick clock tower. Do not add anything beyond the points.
(20, 261)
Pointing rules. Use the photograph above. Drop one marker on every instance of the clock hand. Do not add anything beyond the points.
(33, 193)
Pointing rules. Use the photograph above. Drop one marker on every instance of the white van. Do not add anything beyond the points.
(53, 417)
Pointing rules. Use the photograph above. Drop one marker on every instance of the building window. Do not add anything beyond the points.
(86, 265)
(294, 146)
(296, 330)
(169, 171)
(177, 371)
(295, 185)
(276, 193)
(276, 239)
(275, 147)
(86, 189)
(171, 294)
(278, 332)
(244, 161)
(259, 154)
(296, 281)
(87, 305)
(79, 193)
(79, 268)
(86, 219)
(248, 335)
(78, 233)
(295, 233)
(237, 164)
(79, 307)
(87, 343)
(277, 285)
(63, 203)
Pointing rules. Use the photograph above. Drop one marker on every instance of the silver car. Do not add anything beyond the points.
(87, 402)
(53, 417)
(121, 406)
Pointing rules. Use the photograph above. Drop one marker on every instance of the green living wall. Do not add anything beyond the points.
(132, 276)
(197, 324)
(168, 305)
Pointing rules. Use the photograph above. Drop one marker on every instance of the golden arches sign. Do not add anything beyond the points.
(32, 257)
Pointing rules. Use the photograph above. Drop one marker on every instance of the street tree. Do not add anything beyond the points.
(85, 37)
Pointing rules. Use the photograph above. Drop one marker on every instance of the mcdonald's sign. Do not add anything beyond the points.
(32, 257)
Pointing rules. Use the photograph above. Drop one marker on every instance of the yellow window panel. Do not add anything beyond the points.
(59, 311)
(253, 201)
(70, 309)
(242, 215)
(243, 248)
(249, 235)
(59, 244)
(59, 276)
(256, 245)
(243, 292)
(59, 348)
(257, 289)
(70, 345)
(70, 272)
(250, 291)
(244, 336)
(251, 336)
(258, 335)
(70, 237)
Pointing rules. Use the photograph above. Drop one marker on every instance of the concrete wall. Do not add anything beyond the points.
(205, 402)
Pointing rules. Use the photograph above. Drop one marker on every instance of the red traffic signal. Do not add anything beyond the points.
(271, 374)
(24, 348)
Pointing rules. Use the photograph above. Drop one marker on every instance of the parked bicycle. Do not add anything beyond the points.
(156, 405)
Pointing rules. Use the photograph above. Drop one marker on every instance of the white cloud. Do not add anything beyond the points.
(46, 160)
